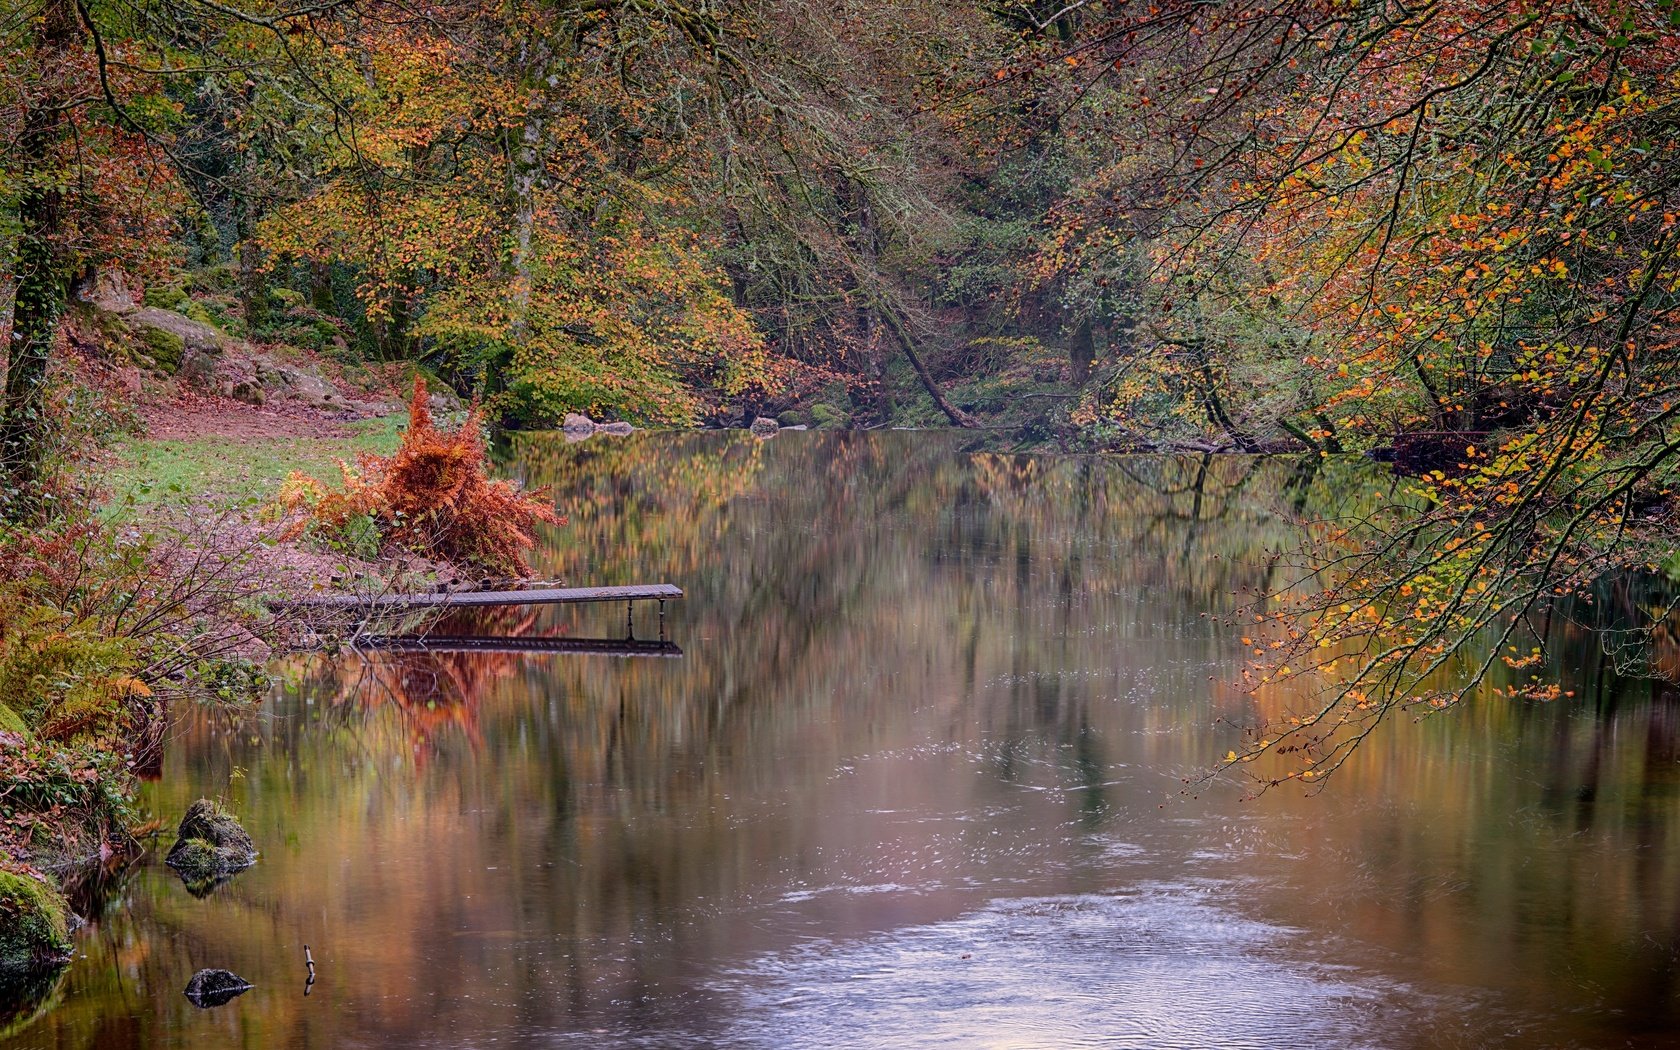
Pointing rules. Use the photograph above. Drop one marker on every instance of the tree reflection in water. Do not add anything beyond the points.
(916, 681)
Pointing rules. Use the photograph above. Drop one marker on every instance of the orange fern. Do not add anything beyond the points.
(432, 496)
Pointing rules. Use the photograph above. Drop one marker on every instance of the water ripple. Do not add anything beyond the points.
(1165, 967)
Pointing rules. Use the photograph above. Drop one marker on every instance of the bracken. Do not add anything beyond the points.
(431, 496)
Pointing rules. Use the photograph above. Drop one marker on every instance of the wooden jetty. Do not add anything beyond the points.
(398, 603)
(659, 592)
(513, 644)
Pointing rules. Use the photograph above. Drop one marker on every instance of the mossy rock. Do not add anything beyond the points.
(11, 721)
(34, 924)
(210, 847)
(794, 417)
(827, 416)
(165, 296)
(202, 866)
(206, 820)
(198, 311)
(165, 349)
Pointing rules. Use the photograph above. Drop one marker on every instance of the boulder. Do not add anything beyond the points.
(34, 924)
(107, 290)
(169, 341)
(826, 415)
(210, 847)
(764, 427)
(577, 423)
(215, 988)
(618, 429)
(194, 336)
(245, 375)
(375, 409)
(297, 384)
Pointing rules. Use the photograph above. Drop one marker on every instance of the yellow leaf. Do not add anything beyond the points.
(130, 686)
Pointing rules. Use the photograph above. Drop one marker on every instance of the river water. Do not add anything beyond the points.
(925, 774)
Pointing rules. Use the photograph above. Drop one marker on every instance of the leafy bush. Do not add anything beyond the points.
(432, 496)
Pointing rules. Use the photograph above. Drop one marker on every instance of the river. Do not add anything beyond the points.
(926, 773)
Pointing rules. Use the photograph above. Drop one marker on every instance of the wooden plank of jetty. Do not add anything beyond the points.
(500, 644)
(660, 592)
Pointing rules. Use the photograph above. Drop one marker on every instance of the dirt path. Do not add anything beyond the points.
(198, 416)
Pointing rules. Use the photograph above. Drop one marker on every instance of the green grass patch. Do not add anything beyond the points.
(237, 471)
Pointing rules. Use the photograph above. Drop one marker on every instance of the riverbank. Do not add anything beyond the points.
(154, 585)
(150, 588)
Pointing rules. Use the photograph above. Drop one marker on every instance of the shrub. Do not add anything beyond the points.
(432, 496)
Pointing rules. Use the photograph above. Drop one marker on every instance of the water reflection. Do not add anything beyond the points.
(932, 704)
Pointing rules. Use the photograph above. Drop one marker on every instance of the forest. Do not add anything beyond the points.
(1439, 236)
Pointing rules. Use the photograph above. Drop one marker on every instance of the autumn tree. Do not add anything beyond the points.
(513, 208)
(1452, 227)
(79, 187)
(96, 97)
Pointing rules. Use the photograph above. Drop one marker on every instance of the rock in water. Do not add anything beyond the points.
(619, 428)
(215, 987)
(210, 846)
(764, 427)
(576, 423)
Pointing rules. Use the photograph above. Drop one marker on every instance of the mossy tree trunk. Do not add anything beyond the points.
(42, 284)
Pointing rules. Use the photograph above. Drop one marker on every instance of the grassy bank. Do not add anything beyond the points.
(226, 470)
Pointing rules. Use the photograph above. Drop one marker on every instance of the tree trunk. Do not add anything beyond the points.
(42, 285)
(320, 287)
(908, 345)
(253, 283)
(1082, 351)
(864, 242)
(35, 315)
(526, 162)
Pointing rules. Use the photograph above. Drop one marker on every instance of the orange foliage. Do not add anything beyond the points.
(431, 496)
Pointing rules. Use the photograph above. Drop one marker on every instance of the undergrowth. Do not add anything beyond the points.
(99, 627)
